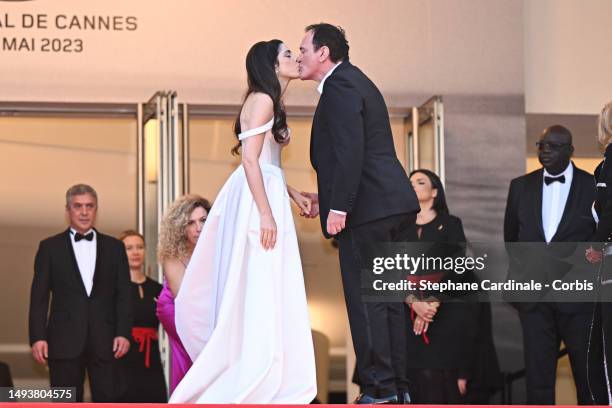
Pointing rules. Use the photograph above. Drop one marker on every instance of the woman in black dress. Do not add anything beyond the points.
(140, 369)
(599, 363)
(441, 332)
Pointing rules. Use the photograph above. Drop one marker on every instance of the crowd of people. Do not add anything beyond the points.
(232, 301)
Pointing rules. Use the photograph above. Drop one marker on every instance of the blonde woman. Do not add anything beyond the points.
(600, 342)
(180, 230)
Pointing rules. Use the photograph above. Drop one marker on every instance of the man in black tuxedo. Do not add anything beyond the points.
(364, 195)
(89, 322)
(551, 205)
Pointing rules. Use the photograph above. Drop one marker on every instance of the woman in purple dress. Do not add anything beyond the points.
(180, 229)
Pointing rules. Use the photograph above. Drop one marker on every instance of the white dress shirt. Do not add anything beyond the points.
(85, 253)
(554, 198)
(320, 89)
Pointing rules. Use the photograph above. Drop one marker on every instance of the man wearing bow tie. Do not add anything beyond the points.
(89, 322)
(552, 204)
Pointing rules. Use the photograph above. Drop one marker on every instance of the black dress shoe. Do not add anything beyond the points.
(366, 399)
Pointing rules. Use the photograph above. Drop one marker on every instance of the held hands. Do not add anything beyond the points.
(121, 345)
(593, 256)
(314, 206)
(335, 222)
(302, 201)
(40, 351)
(267, 234)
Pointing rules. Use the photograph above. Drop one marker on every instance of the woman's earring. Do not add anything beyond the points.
(276, 70)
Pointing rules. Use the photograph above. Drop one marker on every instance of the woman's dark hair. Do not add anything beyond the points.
(439, 204)
(261, 63)
(332, 37)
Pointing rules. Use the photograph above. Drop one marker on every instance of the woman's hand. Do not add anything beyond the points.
(425, 310)
(420, 326)
(314, 209)
(303, 202)
(267, 234)
(593, 256)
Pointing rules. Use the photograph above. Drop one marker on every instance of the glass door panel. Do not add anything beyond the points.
(425, 140)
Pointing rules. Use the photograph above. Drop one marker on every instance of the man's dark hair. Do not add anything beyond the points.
(333, 38)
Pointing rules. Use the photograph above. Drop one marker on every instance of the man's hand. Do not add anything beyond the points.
(462, 385)
(335, 223)
(40, 351)
(314, 209)
(121, 345)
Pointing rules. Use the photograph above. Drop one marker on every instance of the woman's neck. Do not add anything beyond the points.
(284, 83)
(137, 275)
(427, 213)
(190, 250)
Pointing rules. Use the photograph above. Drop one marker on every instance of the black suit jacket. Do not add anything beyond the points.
(74, 318)
(352, 151)
(523, 223)
(603, 202)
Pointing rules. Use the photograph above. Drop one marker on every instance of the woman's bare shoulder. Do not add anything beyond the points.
(173, 264)
(257, 110)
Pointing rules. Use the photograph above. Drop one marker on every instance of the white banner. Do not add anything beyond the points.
(124, 50)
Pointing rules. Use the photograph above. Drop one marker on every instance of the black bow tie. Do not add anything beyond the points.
(548, 180)
(88, 237)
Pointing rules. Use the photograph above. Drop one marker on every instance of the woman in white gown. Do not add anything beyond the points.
(241, 309)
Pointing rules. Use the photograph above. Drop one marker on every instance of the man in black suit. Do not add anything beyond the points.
(89, 322)
(364, 195)
(551, 205)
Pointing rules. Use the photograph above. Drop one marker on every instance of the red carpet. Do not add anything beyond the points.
(90, 405)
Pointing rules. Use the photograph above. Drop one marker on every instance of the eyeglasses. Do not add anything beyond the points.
(550, 146)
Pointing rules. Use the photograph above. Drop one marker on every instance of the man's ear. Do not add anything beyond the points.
(323, 53)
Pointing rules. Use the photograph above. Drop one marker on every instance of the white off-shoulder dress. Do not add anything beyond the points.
(241, 311)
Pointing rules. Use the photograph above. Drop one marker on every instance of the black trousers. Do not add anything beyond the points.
(377, 328)
(544, 327)
(435, 386)
(71, 373)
